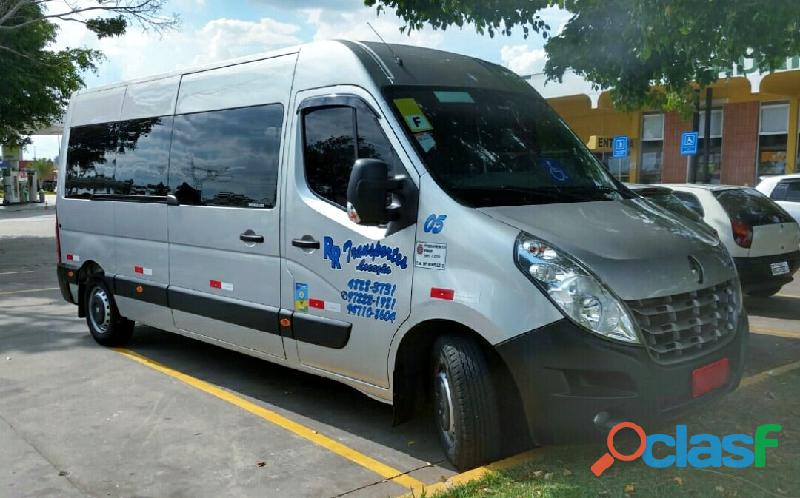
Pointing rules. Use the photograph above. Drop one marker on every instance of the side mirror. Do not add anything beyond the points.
(368, 193)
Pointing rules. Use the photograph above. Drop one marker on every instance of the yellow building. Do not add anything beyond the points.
(754, 127)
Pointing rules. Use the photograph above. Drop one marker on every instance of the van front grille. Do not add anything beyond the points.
(684, 326)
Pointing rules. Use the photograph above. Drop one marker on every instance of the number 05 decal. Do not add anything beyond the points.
(434, 223)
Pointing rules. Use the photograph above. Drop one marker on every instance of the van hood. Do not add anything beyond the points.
(638, 249)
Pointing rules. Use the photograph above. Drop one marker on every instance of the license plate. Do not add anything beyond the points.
(779, 268)
(710, 377)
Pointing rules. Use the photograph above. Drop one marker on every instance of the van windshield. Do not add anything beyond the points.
(494, 148)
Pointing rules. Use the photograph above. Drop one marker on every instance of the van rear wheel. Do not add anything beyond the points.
(464, 402)
(105, 323)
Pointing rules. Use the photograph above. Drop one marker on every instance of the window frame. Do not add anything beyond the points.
(351, 101)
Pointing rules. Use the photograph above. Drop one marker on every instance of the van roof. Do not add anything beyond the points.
(418, 66)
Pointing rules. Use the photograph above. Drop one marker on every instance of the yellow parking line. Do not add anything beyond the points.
(28, 291)
(787, 295)
(383, 470)
(775, 332)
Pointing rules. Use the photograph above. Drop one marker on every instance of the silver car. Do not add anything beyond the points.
(414, 223)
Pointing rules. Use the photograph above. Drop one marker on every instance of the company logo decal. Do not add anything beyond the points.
(391, 256)
(699, 451)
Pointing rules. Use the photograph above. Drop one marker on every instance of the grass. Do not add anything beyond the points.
(563, 472)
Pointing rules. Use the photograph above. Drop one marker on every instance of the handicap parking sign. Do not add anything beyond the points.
(689, 143)
(620, 148)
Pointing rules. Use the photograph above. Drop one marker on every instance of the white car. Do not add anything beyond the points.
(785, 190)
(762, 238)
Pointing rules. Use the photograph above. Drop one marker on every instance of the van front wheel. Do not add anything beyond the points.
(464, 402)
(105, 323)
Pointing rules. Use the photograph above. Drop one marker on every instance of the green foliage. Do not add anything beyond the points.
(653, 53)
(36, 82)
(43, 167)
(107, 26)
(487, 16)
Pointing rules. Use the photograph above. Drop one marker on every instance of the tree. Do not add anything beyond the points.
(652, 53)
(36, 80)
(43, 167)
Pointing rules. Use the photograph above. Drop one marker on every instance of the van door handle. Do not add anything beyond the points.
(306, 242)
(251, 237)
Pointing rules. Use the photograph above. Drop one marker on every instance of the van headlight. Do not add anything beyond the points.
(573, 289)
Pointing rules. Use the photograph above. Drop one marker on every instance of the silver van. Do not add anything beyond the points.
(417, 224)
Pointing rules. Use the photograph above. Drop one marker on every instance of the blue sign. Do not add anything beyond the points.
(689, 143)
(620, 148)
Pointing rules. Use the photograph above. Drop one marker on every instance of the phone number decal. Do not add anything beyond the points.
(370, 299)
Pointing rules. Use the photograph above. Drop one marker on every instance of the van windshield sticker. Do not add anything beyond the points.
(415, 118)
(553, 167)
(425, 140)
(361, 253)
(454, 97)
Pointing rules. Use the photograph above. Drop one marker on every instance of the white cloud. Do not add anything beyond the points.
(137, 53)
(352, 24)
(523, 60)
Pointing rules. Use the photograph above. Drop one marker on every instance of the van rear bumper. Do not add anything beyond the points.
(756, 274)
(64, 280)
(575, 385)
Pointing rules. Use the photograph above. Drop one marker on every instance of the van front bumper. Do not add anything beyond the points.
(574, 385)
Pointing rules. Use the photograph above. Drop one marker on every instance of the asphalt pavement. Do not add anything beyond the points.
(77, 419)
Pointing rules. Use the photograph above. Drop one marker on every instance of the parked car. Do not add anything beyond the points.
(762, 237)
(665, 198)
(785, 190)
(510, 279)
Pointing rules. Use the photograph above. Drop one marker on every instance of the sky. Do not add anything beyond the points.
(213, 30)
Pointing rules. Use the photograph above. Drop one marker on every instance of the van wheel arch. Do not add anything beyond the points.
(412, 386)
(86, 272)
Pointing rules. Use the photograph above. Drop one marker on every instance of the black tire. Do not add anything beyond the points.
(769, 292)
(102, 317)
(467, 423)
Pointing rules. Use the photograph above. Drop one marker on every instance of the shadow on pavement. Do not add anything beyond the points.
(780, 307)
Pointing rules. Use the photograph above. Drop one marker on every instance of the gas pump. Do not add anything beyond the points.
(10, 186)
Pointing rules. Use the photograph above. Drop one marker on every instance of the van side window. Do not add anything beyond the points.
(90, 160)
(227, 157)
(330, 150)
(143, 156)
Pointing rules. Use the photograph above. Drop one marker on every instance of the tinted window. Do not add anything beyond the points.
(691, 202)
(751, 206)
(143, 156)
(227, 157)
(672, 203)
(373, 144)
(330, 151)
(90, 160)
(487, 147)
(779, 192)
(793, 192)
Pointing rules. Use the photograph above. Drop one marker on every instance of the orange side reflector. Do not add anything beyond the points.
(285, 322)
(139, 289)
(70, 274)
